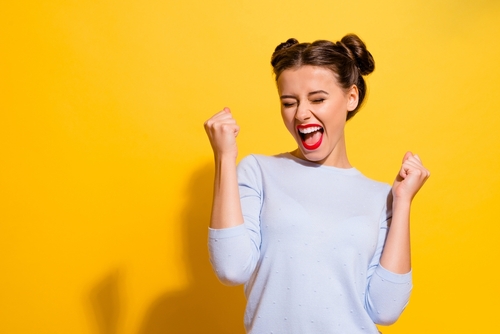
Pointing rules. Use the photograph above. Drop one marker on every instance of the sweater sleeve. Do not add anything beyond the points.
(234, 252)
(387, 293)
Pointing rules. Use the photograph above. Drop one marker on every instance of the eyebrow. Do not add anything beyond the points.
(311, 93)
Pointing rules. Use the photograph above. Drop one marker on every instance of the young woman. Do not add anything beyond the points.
(306, 232)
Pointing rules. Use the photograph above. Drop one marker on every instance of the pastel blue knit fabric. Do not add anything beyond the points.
(309, 249)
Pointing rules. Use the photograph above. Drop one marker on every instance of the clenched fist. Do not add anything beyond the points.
(222, 131)
(410, 179)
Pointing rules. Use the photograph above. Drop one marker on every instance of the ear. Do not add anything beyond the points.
(352, 98)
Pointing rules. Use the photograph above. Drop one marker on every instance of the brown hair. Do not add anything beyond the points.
(348, 59)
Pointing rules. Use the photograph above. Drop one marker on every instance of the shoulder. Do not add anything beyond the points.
(374, 186)
(255, 168)
(262, 161)
(376, 195)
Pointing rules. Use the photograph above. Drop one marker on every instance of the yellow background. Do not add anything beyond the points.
(105, 170)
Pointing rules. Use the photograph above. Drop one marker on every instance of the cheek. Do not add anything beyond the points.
(288, 120)
(337, 115)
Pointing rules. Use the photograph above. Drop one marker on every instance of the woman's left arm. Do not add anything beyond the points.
(411, 177)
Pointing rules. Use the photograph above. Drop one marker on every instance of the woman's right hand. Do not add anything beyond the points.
(222, 130)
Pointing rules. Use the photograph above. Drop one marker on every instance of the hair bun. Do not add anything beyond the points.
(357, 51)
(290, 42)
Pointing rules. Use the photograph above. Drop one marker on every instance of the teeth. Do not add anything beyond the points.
(309, 130)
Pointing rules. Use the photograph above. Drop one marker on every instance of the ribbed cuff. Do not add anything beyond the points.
(230, 232)
(393, 277)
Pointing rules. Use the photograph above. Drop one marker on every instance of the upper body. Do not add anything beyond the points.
(311, 205)
(308, 252)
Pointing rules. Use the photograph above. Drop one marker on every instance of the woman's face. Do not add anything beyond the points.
(314, 108)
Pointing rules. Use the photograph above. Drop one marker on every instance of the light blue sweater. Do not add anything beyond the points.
(308, 252)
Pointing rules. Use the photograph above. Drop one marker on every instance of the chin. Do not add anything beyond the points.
(313, 156)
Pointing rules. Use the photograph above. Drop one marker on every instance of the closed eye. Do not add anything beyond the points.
(318, 100)
(288, 105)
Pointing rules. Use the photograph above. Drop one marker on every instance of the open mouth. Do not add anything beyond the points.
(311, 135)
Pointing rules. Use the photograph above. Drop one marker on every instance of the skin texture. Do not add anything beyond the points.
(226, 207)
(396, 256)
(311, 95)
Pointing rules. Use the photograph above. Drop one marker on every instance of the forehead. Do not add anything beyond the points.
(306, 78)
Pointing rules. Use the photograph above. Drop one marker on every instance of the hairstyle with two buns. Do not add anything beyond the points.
(348, 59)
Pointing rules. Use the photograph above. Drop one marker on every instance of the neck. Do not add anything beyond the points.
(336, 158)
(338, 162)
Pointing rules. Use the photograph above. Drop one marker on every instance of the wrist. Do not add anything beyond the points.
(222, 157)
(401, 203)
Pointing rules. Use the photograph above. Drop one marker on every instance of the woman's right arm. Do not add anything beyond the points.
(233, 251)
(226, 208)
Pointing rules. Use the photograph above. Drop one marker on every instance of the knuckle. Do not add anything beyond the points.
(226, 127)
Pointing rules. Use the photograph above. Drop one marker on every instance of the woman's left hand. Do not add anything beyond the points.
(410, 179)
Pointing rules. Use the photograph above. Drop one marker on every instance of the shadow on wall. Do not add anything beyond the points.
(206, 306)
(105, 302)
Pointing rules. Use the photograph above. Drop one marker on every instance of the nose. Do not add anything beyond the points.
(303, 112)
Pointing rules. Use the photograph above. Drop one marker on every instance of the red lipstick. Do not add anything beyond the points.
(311, 138)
